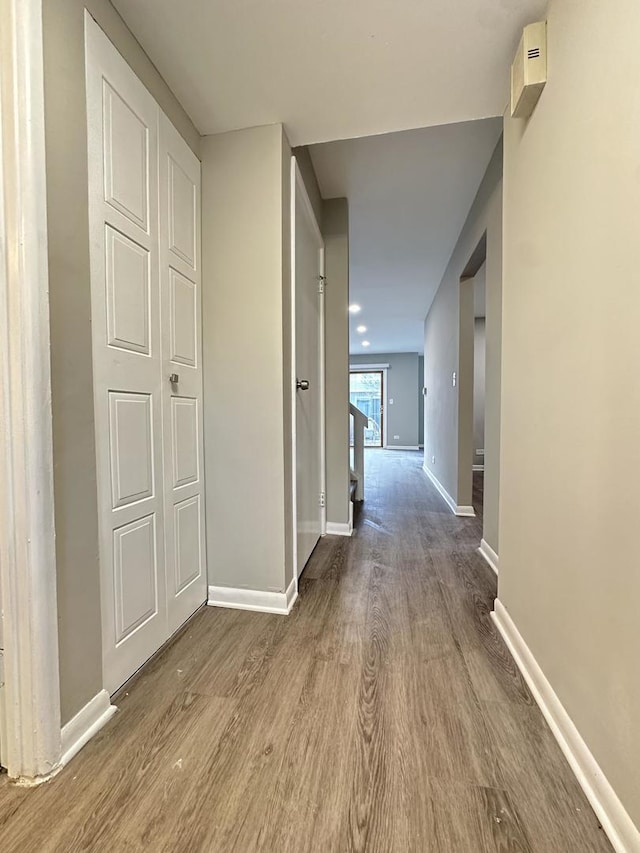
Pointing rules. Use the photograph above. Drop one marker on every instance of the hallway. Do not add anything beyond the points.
(384, 714)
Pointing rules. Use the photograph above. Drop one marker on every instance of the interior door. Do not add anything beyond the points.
(144, 206)
(182, 375)
(123, 207)
(309, 356)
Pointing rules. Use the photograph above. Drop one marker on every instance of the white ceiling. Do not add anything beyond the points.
(409, 194)
(332, 69)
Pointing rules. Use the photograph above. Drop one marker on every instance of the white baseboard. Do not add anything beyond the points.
(490, 555)
(336, 528)
(402, 447)
(463, 511)
(616, 822)
(254, 599)
(86, 723)
(478, 467)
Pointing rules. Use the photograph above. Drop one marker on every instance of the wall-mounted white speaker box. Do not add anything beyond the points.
(529, 70)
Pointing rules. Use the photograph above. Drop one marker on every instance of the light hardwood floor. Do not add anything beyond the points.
(384, 714)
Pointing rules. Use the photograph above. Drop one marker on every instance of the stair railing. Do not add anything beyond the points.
(358, 425)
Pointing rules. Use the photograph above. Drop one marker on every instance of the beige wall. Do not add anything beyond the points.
(310, 180)
(247, 414)
(570, 501)
(448, 430)
(336, 236)
(73, 428)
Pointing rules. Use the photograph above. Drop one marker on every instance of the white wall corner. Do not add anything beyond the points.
(616, 821)
(457, 509)
(489, 555)
(86, 723)
(291, 594)
(257, 600)
(31, 718)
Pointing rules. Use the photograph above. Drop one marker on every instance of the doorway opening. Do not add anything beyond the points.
(471, 378)
(366, 393)
(479, 361)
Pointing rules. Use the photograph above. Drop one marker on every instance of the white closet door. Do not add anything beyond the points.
(182, 375)
(123, 203)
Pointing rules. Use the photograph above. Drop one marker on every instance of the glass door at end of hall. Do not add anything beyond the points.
(366, 392)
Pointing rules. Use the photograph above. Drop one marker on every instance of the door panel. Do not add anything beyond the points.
(131, 445)
(308, 364)
(127, 292)
(184, 436)
(126, 152)
(183, 207)
(183, 319)
(180, 278)
(188, 518)
(136, 575)
(125, 305)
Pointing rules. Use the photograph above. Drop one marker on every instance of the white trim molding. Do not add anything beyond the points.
(489, 555)
(364, 368)
(337, 528)
(616, 821)
(402, 447)
(254, 599)
(86, 723)
(27, 532)
(462, 511)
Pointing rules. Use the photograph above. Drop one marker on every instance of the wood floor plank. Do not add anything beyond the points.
(469, 589)
(383, 715)
(550, 801)
(473, 820)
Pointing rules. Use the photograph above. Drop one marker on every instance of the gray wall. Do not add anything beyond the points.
(247, 399)
(570, 502)
(76, 517)
(448, 410)
(478, 389)
(335, 228)
(403, 383)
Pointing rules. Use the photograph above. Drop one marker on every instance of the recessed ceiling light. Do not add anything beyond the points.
(366, 344)
(353, 309)
(361, 329)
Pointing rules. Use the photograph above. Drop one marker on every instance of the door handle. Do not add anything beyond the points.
(174, 378)
(302, 384)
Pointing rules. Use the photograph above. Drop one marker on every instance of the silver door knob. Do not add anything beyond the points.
(302, 384)
(174, 378)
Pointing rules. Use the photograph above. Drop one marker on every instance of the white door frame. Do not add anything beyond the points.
(299, 191)
(27, 533)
